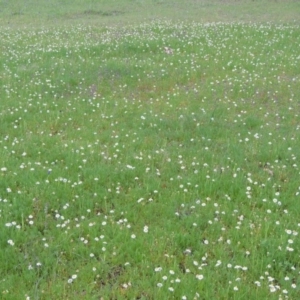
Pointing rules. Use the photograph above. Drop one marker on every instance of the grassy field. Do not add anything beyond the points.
(28, 13)
(149, 149)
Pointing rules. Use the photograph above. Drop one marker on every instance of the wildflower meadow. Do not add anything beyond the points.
(149, 149)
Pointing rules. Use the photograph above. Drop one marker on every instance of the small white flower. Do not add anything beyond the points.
(199, 276)
(130, 167)
(218, 263)
(272, 288)
(125, 285)
(11, 242)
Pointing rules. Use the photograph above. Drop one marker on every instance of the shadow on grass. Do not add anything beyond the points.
(101, 13)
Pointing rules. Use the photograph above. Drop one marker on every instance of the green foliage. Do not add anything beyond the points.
(156, 160)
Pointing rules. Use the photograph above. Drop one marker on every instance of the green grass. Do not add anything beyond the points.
(28, 13)
(156, 160)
